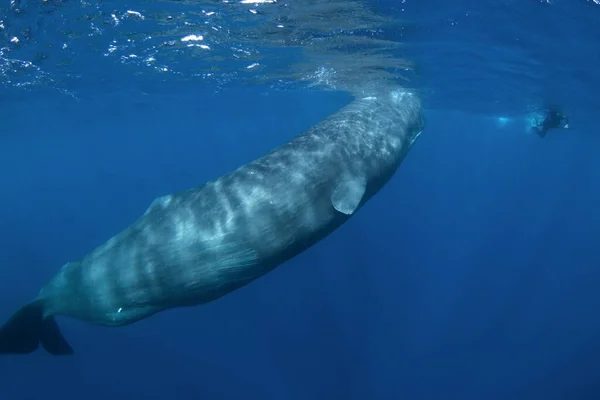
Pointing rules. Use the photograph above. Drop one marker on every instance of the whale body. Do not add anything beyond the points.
(195, 246)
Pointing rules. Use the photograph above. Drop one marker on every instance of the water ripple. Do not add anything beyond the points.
(333, 44)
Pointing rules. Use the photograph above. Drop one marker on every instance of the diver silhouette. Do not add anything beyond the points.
(553, 119)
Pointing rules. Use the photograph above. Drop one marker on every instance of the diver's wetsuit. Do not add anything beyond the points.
(553, 120)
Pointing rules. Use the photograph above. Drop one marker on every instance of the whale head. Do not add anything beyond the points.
(408, 105)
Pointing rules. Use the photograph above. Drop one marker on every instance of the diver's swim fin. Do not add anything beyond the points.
(27, 328)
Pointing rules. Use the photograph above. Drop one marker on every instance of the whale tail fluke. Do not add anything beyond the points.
(27, 328)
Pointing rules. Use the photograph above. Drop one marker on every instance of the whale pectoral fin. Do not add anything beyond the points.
(348, 194)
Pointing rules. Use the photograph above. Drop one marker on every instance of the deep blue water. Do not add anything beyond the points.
(472, 275)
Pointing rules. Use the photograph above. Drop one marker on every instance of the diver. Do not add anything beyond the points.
(553, 119)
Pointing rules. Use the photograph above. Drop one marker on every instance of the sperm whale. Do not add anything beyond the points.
(195, 246)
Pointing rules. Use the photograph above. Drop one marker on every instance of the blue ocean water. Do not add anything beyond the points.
(472, 275)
